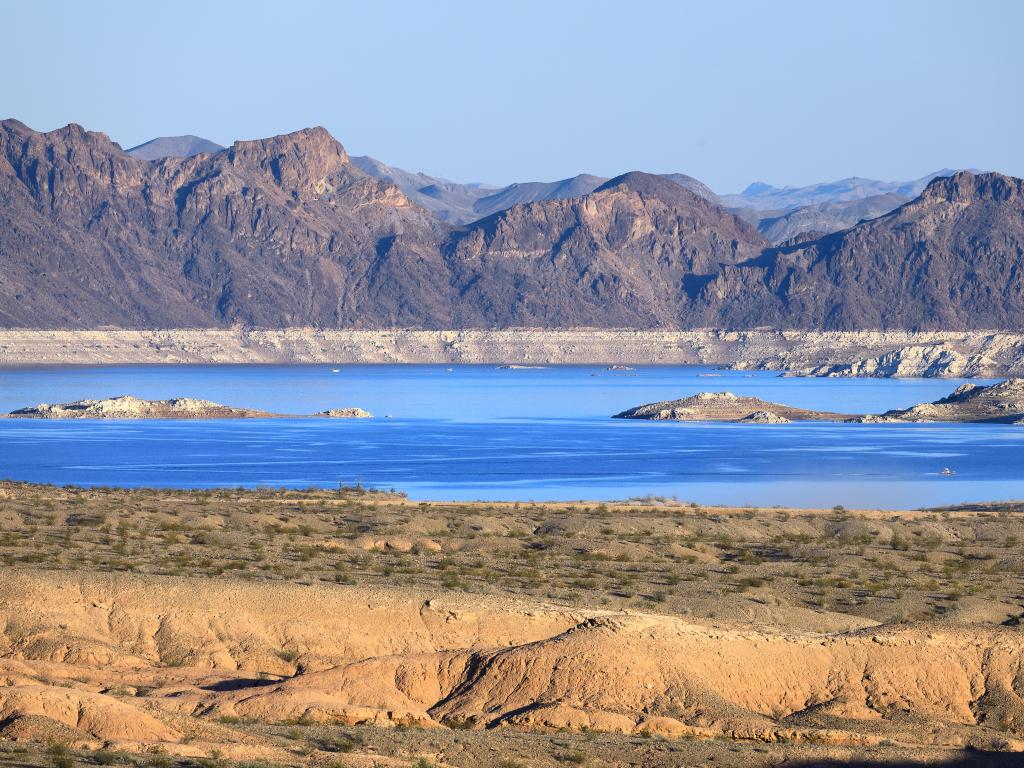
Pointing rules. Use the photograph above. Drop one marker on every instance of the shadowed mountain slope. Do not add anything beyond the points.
(951, 258)
(288, 231)
(632, 254)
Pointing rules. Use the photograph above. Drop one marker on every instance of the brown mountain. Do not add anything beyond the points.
(633, 253)
(951, 259)
(287, 231)
(283, 231)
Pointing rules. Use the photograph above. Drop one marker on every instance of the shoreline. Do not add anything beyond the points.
(955, 354)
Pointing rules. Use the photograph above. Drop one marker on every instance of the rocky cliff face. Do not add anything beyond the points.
(288, 232)
(950, 259)
(273, 232)
(634, 253)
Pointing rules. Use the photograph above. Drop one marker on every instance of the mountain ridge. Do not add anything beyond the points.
(289, 231)
(780, 213)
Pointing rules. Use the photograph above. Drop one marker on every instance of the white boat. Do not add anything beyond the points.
(947, 472)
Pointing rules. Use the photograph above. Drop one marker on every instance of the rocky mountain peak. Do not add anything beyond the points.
(72, 136)
(296, 160)
(647, 184)
(966, 187)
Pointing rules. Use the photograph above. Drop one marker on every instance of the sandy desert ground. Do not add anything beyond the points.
(335, 628)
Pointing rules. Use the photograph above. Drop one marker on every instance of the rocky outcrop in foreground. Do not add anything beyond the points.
(128, 407)
(1001, 403)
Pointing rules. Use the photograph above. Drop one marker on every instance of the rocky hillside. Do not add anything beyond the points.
(779, 213)
(950, 259)
(270, 233)
(289, 232)
(634, 253)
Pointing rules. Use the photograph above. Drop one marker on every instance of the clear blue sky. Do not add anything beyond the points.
(788, 92)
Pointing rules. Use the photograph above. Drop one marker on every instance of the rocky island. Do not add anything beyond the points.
(1001, 403)
(725, 406)
(346, 413)
(129, 407)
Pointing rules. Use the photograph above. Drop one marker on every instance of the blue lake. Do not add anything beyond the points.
(479, 432)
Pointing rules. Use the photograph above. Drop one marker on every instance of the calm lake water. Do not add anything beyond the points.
(478, 432)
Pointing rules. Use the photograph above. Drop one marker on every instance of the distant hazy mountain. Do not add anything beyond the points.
(173, 146)
(765, 197)
(780, 226)
(464, 203)
(449, 201)
(536, 191)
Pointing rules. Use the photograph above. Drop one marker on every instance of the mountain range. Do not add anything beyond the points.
(291, 231)
(780, 213)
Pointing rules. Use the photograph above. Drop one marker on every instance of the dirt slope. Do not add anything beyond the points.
(117, 658)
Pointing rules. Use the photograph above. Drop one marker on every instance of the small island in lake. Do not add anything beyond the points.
(1001, 403)
(725, 406)
(129, 407)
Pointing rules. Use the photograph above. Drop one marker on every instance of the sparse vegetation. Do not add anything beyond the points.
(651, 555)
(659, 554)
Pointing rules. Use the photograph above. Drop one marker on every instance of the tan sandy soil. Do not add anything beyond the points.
(450, 654)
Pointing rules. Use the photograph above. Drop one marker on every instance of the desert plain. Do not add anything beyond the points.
(349, 627)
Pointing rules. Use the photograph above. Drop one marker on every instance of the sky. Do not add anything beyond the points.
(728, 91)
